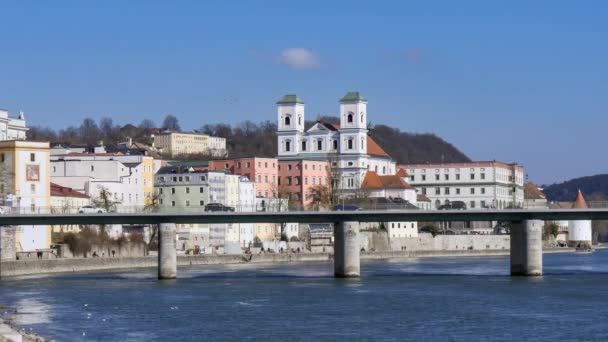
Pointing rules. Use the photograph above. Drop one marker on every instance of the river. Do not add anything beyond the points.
(435, 299)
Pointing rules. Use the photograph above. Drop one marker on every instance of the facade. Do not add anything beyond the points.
(128, 179)
(12, 128)
(347, 147)
(297, 178)
(25, 186)
(579, 230)
(478, 184)
(176, 144)
(534, 197)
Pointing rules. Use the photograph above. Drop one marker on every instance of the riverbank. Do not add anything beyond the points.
(11, 333)
(35, 267)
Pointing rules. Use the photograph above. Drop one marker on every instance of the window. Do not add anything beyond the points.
(472, 191)
(472, 204)
(483, 176)
(187, 203)
(436, 177)
(160, 192)
(472, 176)
(173, 203)
(335, 144)
(33, 188)
(458, 176)
(457, 191)
(483, 204)
(238, 165)
(424, 191)
(412, 178)
(247, 164)
(201, 203)
(259, 178)
(172, 190)
(2, 159)
(32, 157)
(287, 146)
(181, 179)
(423, 177)
(187, 190)
(437, 191)
(92, 168)
(350, 143)
(483, 191)
(349, 118)
(288, 166)
(319, 145)
(446, 176)
(303, 145)
(287, 121)
(446, 191)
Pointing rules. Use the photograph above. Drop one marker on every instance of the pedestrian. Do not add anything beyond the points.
(113, 253)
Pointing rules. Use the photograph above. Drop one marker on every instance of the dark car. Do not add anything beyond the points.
(347, 207)
(398, 200)
(455, 205)
(218, 207)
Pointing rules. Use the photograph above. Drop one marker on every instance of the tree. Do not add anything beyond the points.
(431, 228)
(153, 205)
(147, 124)
(551, 229)
(89, 131)
(171, 123)
(105, 201)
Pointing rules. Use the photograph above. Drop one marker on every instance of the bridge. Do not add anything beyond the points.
(526, 229)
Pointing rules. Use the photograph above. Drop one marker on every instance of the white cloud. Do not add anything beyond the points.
(300, 58)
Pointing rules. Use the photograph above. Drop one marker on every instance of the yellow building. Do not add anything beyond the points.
(175, 144)
(25, 188)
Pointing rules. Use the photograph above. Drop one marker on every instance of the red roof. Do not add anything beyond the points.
(579, 202)
(82, 154)
(63, 191)
(374, 149)
(373, 181)
(402, 173)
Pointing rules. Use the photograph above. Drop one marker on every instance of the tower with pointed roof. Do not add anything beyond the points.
(579, 231)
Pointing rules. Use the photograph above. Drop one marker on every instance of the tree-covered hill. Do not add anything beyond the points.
(596, 186)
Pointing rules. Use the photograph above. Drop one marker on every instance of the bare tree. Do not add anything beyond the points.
(171, 123)
(105, 201)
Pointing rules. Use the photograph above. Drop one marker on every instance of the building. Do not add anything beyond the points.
(297, 179)
(579, 230)
(391, 187)
(66, 200)
(478, 184)
(262, 171)
(129, 180)
(25, 187)
(12, 128)
(347, 147)
(179, 144)
(534, 198)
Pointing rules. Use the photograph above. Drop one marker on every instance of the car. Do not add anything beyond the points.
(218, 207)
(398, 200)
(347, 207)
(454, 205)
(90, 209)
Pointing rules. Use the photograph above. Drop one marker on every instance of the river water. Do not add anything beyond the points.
(442, 299)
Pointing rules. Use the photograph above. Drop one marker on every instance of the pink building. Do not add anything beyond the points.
(297, 177)
(262, 171)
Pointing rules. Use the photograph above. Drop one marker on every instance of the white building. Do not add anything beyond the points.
(478, 184)
(12, 128)
(347, 145)
(247, 204)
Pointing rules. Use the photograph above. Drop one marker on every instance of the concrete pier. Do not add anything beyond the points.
(347, 261)
(167, 256)
(527, 248)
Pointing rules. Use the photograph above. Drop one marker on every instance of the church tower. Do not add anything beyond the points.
(290, 124)
(579, 231)
(353, 124)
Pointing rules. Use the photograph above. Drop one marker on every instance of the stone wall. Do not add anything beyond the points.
(426, 242)
(7, 243)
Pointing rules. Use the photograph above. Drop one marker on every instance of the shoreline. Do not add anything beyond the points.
(10, 332)
(15, 268)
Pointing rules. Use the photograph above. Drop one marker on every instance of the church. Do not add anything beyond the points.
(347, 146)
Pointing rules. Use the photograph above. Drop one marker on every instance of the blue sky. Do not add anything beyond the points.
(507, 80)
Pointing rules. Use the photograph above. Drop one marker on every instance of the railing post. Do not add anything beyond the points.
(167, 255)
(527, 248)
(347, 261)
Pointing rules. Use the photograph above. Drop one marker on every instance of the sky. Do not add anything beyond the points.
(514, 81)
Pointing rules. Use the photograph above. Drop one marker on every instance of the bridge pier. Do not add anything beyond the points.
(167, 255)
(527, 248)
(347, 261)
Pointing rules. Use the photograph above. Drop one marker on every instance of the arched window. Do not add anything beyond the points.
(319, 145)
(384, 170)
(362, 117)
(335, 144)
(303, 145)
(349, 118)
(287, 121)
(287, 145)
(350, 143)
(299, 119)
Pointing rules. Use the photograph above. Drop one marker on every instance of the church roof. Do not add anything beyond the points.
(290, 99)
(373, 181)
(353, 96)
(579, 202)
(374, 149)
(533, 192)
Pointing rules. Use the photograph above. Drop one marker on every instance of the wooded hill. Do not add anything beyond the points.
(249, 139)
(593, 187)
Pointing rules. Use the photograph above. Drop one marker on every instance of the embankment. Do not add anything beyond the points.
(33, 267)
